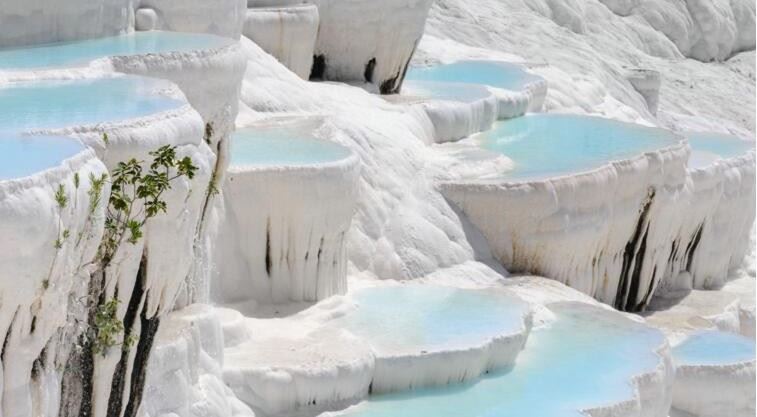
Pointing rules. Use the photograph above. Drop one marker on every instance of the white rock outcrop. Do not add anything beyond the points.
(288, 33)
(368, 41)
(42, 21)
(285, 365)
(185, 372)
(219, 17)
(41, 281)
(710, 391)
(284, 234)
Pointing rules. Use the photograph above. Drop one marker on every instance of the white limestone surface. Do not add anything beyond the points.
(219, 17)
(455, 110)
(296, 363)
(33, 22)
(368, 41)
(715, 375)
(288, 33)
(40, 280)
(402, 228)
(576, 228)
(185, 372)
(210, 80)
(723, 192)
(429, 335)
(147, 276)
(284, 235)
(647, 83)
(710, 391)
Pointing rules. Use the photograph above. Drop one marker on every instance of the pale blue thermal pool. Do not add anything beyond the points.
(707, 147)
(491, 73)
(547, 145)
(413, 318)
(32, 106)
(78, 53)
(586, 358)
(282, 146)
(54, 104)
(21, 156)
(714, 347)
(465, 93)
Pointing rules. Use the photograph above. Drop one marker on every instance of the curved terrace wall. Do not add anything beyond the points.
(618, 232)
(283, 238)
(219, 17)
(368, 41)
(288, 33)
(42, 21)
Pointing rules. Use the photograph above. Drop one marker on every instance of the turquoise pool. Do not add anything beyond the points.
(445, 91)
(491, 73)
(707, 148)
(78, 53)
(547, 145)
(53, 104)
(584, 359)
(714, 348)
(21, 156)
(279, 146)
(413, 318)
(30, 106)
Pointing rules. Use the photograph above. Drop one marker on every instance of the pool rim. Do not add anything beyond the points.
(349, 161)
(530, 87)
(681, 145)
(158, 88)
(108, 60)
(722, 162)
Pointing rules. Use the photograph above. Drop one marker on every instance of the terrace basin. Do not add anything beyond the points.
(496, 74)
(290, 200)
(605, 349)
(707, 147)
(455, 110)
(81, 53)
(426, 335)
(715, 374)
(549, 145)
(59, 103)
(517, 91)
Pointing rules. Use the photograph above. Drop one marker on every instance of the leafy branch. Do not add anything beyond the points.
(132, 186)
(136, 196)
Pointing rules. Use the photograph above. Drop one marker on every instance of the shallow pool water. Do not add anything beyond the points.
(31, 106)
(77, 53)
(707, 147)
(586, 358)
(21, 156)
(714, 347)
(52, 104)
(492, 73)
(414, 318)
(445, 91)
(278, 146)
(545, 145)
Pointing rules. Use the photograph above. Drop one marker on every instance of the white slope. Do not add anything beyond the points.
(587, 49)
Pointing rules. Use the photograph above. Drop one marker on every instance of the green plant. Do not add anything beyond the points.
(108, 327)
(131, 187)
(136, 196)
(60, 196)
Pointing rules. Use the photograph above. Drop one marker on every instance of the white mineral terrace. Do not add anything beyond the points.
(621, 197)
(289, 200)
(715, 374)
(329, 201)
